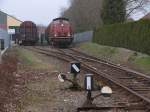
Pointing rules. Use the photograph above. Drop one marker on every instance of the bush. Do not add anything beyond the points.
(132, 35)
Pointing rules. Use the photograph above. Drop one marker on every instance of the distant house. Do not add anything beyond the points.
(4, 40)
(147, 16)
(3, 20)
(6, 21)
(4, 37)
(12, 21)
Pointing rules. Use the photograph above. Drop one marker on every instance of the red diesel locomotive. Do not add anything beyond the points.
(59, 32)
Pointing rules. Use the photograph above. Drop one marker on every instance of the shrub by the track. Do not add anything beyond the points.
(132, 35)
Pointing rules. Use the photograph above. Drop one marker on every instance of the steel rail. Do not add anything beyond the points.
(101, 61)
(87, 67)
(92, 58)
(106, 76)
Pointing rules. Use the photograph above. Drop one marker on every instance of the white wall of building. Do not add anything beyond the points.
(4, 35)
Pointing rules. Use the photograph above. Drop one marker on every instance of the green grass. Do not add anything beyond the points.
(143, 62)
(31, 59)
(131, 35)
(99, 51)
(26, 56)
(118, 55)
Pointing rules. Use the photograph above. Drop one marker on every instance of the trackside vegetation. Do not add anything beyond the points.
(135, 60)
(132, 35)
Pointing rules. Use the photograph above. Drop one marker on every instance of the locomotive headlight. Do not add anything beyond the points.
(69, 34)
(62, 25)
(55, 35)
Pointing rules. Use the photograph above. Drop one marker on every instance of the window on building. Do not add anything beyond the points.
(2, 44)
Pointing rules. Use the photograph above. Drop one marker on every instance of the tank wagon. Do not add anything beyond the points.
(28, 33)
(59, 32)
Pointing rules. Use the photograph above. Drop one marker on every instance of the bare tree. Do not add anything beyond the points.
(114, 11)
(133, 6)
(84, 14)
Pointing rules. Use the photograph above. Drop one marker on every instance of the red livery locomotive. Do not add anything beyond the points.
(59, 32)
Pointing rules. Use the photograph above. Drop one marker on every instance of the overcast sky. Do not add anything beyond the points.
(39, 11)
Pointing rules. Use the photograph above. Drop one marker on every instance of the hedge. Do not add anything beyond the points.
(132, 35)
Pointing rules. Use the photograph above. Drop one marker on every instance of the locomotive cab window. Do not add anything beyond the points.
(2, 44)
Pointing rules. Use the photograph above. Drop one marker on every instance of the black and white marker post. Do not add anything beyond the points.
(88, 105)
(75, 70)
(89, 87)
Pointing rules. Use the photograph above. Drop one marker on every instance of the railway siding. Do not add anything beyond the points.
(118, 74)
(113, 75)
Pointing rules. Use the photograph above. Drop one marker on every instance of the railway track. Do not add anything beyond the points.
(130, 81)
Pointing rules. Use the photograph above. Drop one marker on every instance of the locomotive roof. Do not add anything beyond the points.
(28, 22)
(61, 18)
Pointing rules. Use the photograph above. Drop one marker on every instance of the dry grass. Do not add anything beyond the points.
(31, 59)
(7, 79)
(137, 60)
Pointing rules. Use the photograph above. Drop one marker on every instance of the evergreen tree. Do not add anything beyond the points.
(113, 11)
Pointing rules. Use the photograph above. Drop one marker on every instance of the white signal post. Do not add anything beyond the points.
(76, 68)
(89, 86)
(89, 82)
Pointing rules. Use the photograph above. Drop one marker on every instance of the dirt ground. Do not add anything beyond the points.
(8, 82)
(45, 93)
(37, 89)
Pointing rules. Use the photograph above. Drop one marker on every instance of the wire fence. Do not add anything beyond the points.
(83, 37)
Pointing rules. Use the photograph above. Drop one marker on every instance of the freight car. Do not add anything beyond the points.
(28, 33)
(59, 32)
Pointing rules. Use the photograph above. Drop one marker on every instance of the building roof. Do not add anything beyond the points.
(14, 18)
(3, 12)
(11, 16)
(147, 16)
